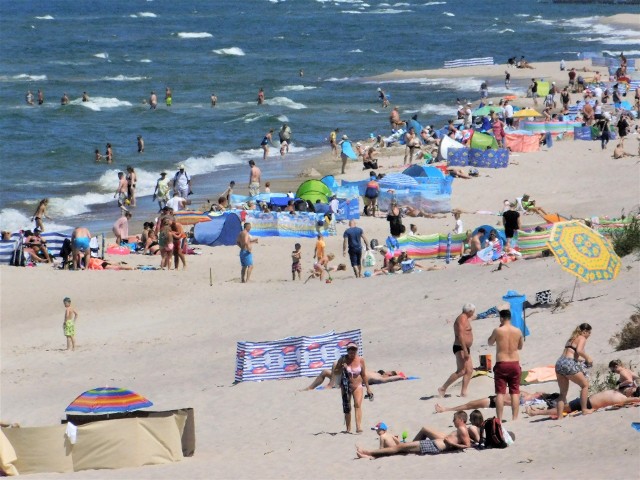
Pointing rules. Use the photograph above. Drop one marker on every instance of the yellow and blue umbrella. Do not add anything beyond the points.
(583, 252)
(108, 400)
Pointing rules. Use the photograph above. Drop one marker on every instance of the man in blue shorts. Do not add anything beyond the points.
(80, 239)
(244, 241)
(353, 236)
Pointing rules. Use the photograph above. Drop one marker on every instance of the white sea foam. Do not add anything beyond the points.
(99, 103)
(628, 53)
(357, 50)
(102, 55)
(123, 78)
(449, 14)
(428, 4)
(283, 118)
(446, 28)
(202, 165)
(194, 35)
(233, 51)
(438, 109)
(506, 30)
(541, 21)
(147, 14)
(285, 102)
(294, 88)
(14, 220)
(145, 60)
(334, 79)
(522, 15)
(30, 78)
(388, 11)
(45, 17)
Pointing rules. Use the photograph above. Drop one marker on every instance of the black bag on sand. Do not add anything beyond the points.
(491, 434)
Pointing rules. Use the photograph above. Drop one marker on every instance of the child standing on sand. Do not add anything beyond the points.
(69, 324)
(296, 266)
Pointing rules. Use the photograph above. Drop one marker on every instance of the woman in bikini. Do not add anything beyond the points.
(569, 368)
(40, 213)
(354, 375)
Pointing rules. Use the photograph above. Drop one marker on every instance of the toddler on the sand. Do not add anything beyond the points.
(69, 324)
(296, 267)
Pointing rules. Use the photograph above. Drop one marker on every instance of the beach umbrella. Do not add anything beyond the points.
(108, 400)
(583, 252)
(188, 217)
(395, 180)
(526, 112)
(486, 110)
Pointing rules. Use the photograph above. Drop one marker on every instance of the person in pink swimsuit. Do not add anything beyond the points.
(354, 375)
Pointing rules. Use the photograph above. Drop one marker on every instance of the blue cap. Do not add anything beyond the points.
(380, 426)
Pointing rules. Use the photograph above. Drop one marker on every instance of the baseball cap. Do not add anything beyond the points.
(344, 137)
(182, 166)
(351, 345)
(380, 426)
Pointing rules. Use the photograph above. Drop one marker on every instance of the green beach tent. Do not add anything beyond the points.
(481, 141)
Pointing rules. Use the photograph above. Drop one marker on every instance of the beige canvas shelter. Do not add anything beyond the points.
(159, 437)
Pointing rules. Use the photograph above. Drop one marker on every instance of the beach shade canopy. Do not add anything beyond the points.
(486, 110)
(526, 112)
(481, 141)
(186, 217)
(330, 181)
(312, 190)
(108, 400)
(583, 252)
(397, 180)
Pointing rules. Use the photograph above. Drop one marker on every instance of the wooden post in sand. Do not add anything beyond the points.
(210, 277)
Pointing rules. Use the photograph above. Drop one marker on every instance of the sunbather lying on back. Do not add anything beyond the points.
(606, 398)
(490, 402)
(374, 377)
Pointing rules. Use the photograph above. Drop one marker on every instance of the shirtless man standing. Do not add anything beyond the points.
(254, 179)
(153, 100)
(244, 241)
(462, 350)
(427, 442)
(508, 341)
(121, 191)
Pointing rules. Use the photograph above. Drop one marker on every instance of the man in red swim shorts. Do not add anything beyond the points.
(508, 340)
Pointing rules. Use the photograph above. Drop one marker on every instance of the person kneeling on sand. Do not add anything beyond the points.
(606, 398)
(427, 442)
(619, 152)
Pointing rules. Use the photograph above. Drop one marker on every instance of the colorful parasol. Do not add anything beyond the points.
(583, 252)
(526, 112)
(108, 400)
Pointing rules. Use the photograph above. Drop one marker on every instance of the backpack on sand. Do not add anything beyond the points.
(491, 435)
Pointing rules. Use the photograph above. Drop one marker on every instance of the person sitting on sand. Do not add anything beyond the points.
(375, 377)
(529, 205)
(427, 442)
(619, 152)
(36, 246)
(606, 398)
(369, 160)
(475, 245)
(627, 379)
(411, 211)
(490, 401)
(322, 265)
(458, 172)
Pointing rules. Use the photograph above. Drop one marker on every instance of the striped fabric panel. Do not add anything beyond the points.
(7, 247)
(292, 357)
(468, 62)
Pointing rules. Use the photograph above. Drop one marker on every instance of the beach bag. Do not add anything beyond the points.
(408, 266)
(491, 434)
(369, 259)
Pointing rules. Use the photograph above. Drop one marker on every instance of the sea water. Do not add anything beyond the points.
(119, 51)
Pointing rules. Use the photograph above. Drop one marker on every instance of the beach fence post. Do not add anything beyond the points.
(575, 285)
(210, 277)
(102, 247)
(448, 257)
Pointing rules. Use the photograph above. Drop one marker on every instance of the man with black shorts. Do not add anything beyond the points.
(511, 222)
(353, 236)
(462, 350)
(508, 341)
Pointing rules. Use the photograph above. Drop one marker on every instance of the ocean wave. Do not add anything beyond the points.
(202, 165)
(437, 109)
(194, 35)
(145, 60)
(446, 28)
(388, 11)
(522, 15)
(45, 17)
(232, 51)
(334, 79)
(102, 55)
(123, 78)
(98, 103)
(14, 221)
(294, 88)
(357, 50)
(285, 102)
(506, 30)
(428, 4)
(147, 14)
(449, 14)
(617, 53)
(542, 21)
(30, 78)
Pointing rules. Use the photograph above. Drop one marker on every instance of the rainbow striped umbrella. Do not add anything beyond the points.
(108, 400)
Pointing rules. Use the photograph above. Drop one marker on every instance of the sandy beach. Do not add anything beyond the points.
(172, 337)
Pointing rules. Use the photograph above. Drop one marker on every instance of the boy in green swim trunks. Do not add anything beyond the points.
(69, 324)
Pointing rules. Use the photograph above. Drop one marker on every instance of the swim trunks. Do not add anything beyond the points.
(575, 405)
(456, 349)
(254, 189)
(81, 243)
(246, 258)
(507, 373)
(492, 401)
(427, 447)
(296, 267)
(356, 257)
(568, 366)
(69, 328)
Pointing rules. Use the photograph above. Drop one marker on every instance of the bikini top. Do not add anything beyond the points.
(575, 349)
(354, 372)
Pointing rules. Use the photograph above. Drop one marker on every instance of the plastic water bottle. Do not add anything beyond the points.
(448, 258)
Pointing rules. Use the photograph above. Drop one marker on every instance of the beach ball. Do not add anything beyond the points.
(367, 273)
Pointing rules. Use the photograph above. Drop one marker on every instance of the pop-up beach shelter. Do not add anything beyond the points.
(314, 190)
(481, 141)
(221, 230)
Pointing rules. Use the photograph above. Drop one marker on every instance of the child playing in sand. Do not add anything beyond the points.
(296, 267)
(267, 187)
(69, 324)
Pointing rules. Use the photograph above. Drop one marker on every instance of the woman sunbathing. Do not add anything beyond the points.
(411, 211)
(375, 377)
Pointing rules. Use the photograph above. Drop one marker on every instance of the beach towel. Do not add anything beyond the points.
(539, 375)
